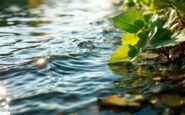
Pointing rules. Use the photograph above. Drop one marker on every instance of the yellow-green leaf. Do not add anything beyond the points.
(129, 38)
(125, 52)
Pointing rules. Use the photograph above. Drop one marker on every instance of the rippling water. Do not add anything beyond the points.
(53, 56)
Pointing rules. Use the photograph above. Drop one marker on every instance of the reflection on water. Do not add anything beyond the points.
(30, 3)
(4, 100)
(53, 59)
(41, 62)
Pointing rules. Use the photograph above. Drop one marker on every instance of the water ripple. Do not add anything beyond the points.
(53, 54)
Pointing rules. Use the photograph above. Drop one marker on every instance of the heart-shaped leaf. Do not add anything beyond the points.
(131, 21)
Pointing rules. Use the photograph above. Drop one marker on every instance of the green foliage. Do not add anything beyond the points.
(159, 4)
(179, 4)
(125, 52)
(131, 21)
(159, 36)
(129, 38)
(144, 29)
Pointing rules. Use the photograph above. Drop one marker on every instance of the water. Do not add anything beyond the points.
(53, 56)
(53, 61)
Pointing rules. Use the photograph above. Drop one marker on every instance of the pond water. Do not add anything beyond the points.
(53, 61)
(53, 56)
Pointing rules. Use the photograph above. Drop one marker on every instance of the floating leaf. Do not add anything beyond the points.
(131, 21)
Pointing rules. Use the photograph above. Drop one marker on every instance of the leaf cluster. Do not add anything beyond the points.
(150, 24)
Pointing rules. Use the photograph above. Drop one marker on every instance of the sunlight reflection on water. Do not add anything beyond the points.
(55, 53)
(41, 62)
(4, 101)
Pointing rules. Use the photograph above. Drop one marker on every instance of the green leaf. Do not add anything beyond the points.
(156, 24)
(132, 52)
(123, 53)
(129, 38)
(170, 17)
(180, 36)
(143, 41)
(131, 21)
(129, 4)
(159, 4)
(179, 4)
(159, 36)
(162, 38)
(148, 17)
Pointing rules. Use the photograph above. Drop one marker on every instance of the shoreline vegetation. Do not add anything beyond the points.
(150, 58)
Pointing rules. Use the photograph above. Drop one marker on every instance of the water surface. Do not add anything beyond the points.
(53, 56)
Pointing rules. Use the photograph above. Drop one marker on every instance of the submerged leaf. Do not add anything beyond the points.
(123, 102)
(131, 21)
